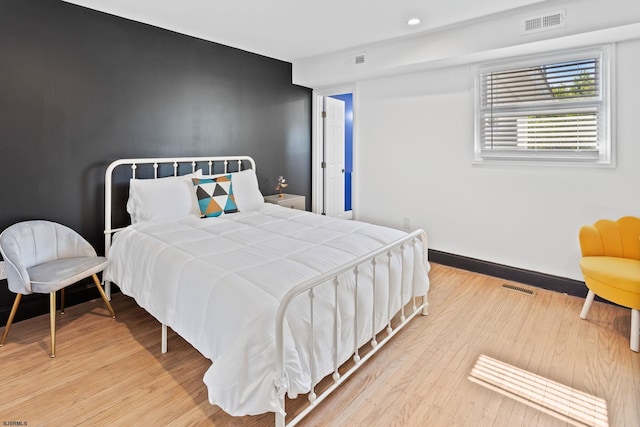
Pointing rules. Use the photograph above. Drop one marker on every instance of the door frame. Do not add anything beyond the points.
(317, 184)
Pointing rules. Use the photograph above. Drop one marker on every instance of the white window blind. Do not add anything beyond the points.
(553, 109)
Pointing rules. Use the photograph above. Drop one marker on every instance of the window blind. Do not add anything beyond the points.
(551, 109)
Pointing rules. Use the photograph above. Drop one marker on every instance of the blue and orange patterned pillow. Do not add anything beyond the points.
(215, 195)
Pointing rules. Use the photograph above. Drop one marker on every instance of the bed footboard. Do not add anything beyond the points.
(418, 305)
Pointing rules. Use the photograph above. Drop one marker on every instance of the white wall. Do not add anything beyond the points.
(525, 216)
(414, 146)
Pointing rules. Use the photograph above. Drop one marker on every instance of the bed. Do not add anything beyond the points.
(276, 298)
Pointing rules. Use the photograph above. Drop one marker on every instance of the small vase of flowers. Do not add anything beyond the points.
(281, 185)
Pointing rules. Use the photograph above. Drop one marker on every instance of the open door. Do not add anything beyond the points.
(333, 157)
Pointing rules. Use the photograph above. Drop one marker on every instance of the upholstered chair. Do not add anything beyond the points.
(610, 265)
(44, 257)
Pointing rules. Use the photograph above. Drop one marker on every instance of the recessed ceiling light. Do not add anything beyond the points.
(413, 21)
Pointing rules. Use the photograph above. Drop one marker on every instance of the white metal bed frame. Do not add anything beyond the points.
(307, 287)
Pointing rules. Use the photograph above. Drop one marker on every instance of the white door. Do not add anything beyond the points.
(333, 119)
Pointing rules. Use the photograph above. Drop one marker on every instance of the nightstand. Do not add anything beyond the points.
(292, 201)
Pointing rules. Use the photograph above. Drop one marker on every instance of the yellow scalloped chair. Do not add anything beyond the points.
(610, 265)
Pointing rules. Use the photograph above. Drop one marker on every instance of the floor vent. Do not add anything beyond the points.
(518, 289)
(545, 22)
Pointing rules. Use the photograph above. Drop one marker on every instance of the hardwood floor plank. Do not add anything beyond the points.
(111, 372)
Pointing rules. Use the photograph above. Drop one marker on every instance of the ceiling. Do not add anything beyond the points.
(293, 29)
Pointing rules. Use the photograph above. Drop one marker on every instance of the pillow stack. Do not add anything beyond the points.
(193, 194)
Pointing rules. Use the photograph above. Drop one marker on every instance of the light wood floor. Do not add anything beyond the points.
(111, 372)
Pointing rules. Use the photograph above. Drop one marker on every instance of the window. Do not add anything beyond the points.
(551, 108)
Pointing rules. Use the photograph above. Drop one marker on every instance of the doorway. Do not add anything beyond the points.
(332, 152)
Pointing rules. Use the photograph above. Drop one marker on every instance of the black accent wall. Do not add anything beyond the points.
(80, 88)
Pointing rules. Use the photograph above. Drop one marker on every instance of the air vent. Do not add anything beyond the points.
(548, 21)
(357, 59)
(518, 289)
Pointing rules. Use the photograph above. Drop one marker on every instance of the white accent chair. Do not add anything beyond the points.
(44, 257)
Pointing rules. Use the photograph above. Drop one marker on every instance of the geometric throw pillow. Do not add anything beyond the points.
(215, 195)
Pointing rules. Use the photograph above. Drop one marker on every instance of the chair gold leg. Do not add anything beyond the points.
(62, 301)
(104, 296)
(52, 318)
(16, 302)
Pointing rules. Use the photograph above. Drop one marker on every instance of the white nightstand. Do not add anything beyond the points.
(292, 201)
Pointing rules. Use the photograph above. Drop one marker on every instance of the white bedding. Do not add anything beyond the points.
(218, 283)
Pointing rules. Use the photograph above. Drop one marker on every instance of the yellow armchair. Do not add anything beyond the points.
(610, 265)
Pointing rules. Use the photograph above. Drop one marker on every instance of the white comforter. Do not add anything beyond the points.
(218, 283)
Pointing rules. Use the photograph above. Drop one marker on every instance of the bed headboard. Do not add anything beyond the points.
(157, 167)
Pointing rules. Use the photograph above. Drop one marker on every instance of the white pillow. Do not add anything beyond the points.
(162, 198)
(245, 189)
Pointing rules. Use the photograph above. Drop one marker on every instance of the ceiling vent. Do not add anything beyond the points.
(357, 59)
(548, 21)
